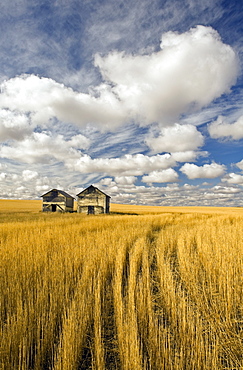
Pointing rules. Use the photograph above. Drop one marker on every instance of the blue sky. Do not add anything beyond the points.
(140, 98)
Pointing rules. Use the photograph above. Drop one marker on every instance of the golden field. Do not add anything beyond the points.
(159, 288)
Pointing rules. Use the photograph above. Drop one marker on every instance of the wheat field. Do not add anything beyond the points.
(141, 288)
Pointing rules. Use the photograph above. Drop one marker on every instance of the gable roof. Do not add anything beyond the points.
(92, 189)
(60, 192)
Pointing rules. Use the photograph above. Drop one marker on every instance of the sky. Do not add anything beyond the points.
(141, 98)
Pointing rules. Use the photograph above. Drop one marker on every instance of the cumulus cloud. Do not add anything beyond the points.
(222, 129)
(240, 164)
(29, 175)
(125, 180)
(13, 125)
(233, 178)
(188, 156)
(79, 141)
(168, 175)
(41, 146)
(128, 165)
(3, 175)
(210, 171)
(107, 181)
(172, 194)
(45, 148)
(190, 71)
(177, 138)
(226, 189)
(44, 99)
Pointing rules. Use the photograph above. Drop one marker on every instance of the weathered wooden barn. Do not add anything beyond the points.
(93, 201)
(57, 201)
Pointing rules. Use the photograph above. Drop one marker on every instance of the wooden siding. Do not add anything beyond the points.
(93, 201)
(56, 201)
(69, 202)
(54, 207)
(90, 210)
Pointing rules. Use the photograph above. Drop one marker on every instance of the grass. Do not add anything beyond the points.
(157, 289)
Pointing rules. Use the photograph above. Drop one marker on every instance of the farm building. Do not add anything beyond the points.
(93, 201)
(57, 201)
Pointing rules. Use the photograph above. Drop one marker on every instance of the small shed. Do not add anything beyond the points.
(57, 201)
(93, 201)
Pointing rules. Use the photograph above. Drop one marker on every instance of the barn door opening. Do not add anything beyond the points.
(90, 210)
(53, 207)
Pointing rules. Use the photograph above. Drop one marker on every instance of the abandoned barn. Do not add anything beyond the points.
(93, 201)
(90, 201)
(57, 201)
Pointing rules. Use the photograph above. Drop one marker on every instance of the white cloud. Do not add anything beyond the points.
(13, 125)
(188, 187)
(46, 99)
(226, 189)
(240, 164)
(188, 156)
(3, 175)
(3, 165)
(125, 180)
(173, 194)
(42, 188)
(190, 71)
(141, 88)
(79, 142)
(233, 178)
(209, 171)
(168, 175)
(220, 128)
(177, 138)
(107, 181)
(29, 175)
(43, 146)
(128, 165)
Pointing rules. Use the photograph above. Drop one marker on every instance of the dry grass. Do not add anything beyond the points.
(35, 206)
(124, 208)
(10, 206)
(146, 291)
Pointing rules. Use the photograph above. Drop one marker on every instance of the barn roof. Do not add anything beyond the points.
(92, 188)
(60, 192)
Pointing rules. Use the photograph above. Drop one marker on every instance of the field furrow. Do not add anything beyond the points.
(121, 292)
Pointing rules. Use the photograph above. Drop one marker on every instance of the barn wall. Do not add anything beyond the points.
(60, 206)
(92, 199)
(62, 203)
(85, 210)
(69, 202)
(69, 209)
